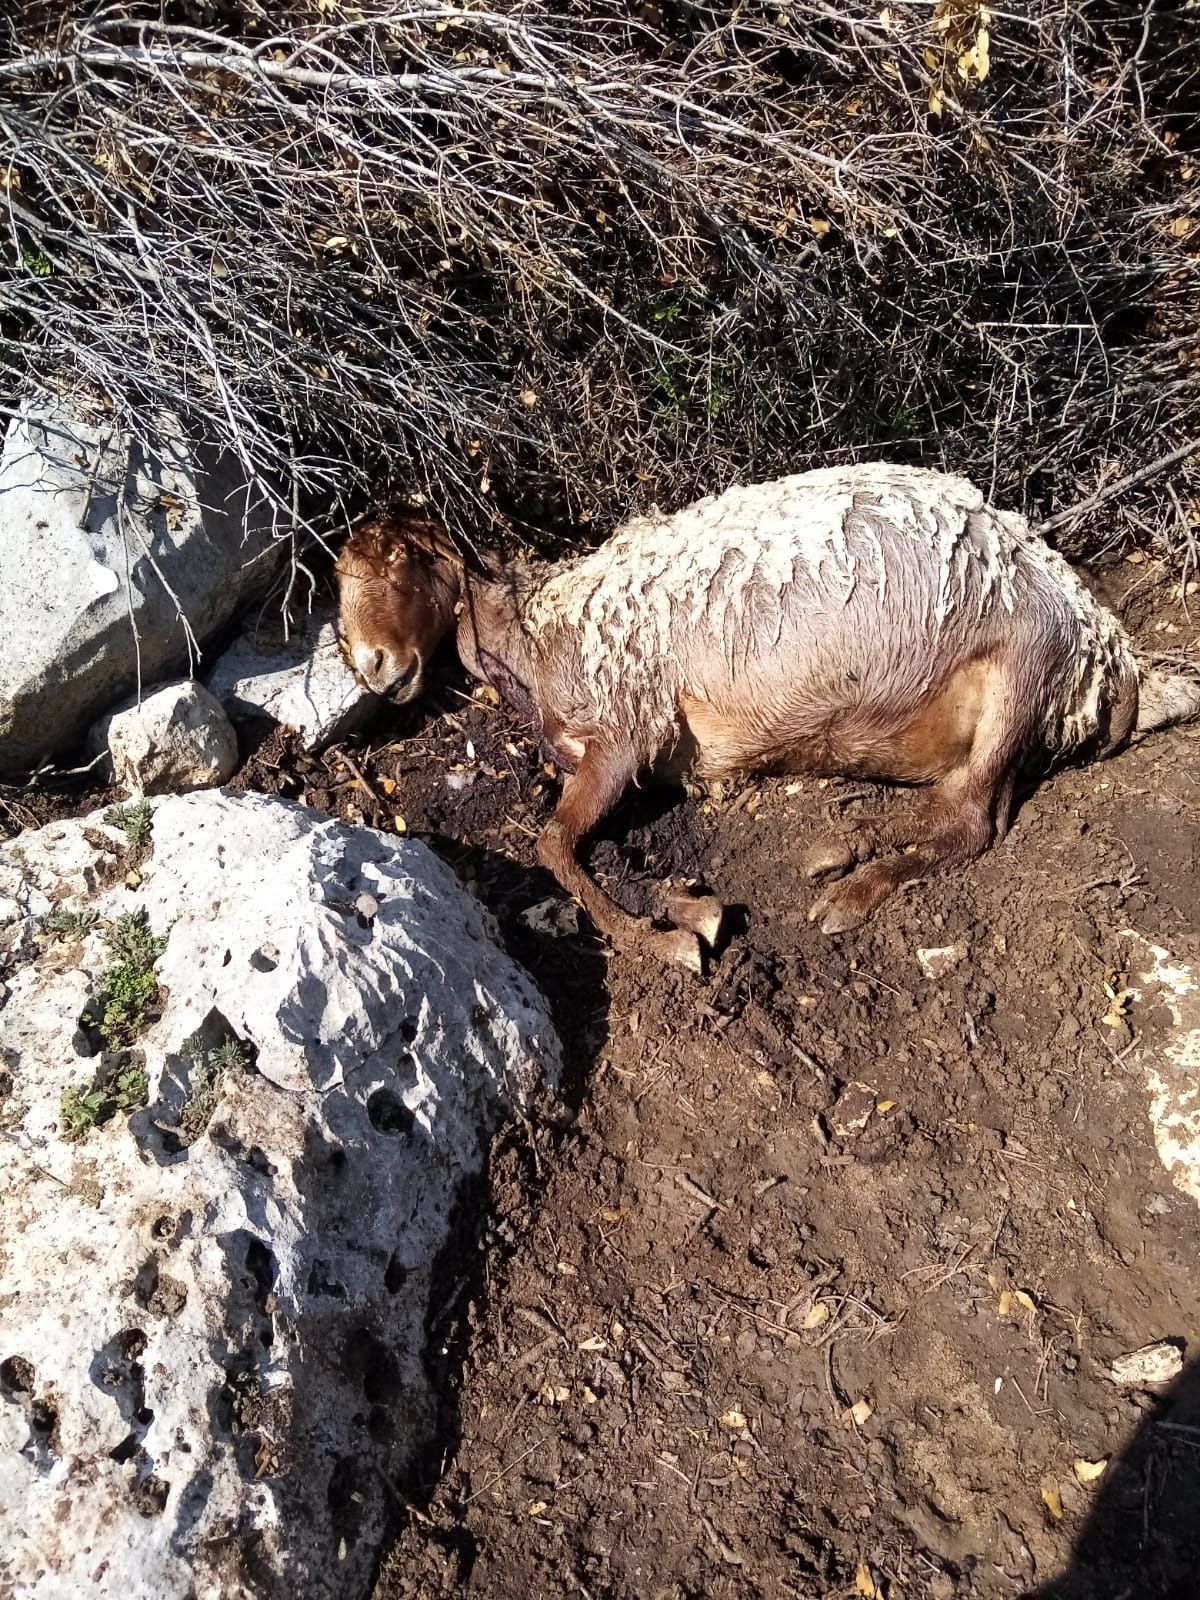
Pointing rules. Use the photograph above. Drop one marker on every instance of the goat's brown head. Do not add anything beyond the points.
(399, 583)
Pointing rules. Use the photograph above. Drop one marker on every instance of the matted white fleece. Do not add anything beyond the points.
(744, 559)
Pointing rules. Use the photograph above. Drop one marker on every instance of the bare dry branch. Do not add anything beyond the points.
(541, 264)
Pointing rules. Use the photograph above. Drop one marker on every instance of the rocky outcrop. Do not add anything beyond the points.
(116, 561)
(252, 1067)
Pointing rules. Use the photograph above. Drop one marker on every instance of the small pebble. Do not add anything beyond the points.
(935, 962)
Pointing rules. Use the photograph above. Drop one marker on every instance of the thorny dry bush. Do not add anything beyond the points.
(551, 261)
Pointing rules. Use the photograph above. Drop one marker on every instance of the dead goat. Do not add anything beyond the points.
(872, 621)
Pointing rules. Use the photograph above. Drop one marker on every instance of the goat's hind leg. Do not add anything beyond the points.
(957, 830)
(836, 851)
(966, 812)
(588, 794)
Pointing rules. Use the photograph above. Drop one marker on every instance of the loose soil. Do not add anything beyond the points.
(808, 1284)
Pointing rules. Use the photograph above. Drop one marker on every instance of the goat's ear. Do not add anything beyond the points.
(432, 540)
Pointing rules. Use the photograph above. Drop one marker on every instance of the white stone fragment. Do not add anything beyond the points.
(852, 1110)
(1148, 1367)
(302, 682)
(211, 1334)
(936, 961)
(104, 549)
(554, 915)
(177, 739)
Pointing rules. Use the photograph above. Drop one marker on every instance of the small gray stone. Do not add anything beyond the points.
(1149, 1367)
(177, 739)
(852, 1110)
(554, 916)
(936, 962)
(302, 682)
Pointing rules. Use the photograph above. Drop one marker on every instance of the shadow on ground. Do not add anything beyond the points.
(1142, 1538)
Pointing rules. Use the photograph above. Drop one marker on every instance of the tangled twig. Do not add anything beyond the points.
(541, 264)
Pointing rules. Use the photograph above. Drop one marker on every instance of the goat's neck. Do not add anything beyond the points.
(492, 642)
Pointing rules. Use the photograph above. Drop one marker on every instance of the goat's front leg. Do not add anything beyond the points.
(588, 794)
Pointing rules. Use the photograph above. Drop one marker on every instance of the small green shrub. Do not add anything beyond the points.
(88, 1106)
(68, 925)
(209, 1065)
(231, 1054)
(135, 821)
(130, 940)
(129, 988)
(37, 263)
(131, 1089)
(82, 1109)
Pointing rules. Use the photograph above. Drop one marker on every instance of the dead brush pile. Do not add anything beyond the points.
(547, 262)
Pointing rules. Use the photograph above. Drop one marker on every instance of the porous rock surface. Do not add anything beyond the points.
(178, 738)
(213, 1309)
(302, 681)
(105, 549)
(1171, 1065)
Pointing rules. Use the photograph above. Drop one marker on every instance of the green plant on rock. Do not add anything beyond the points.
(209, 1065)
(232, 1053)
(88, 1106)
(82, 1109)
(129, 988)
(135, 821)
(68, 925)
(131, 1088)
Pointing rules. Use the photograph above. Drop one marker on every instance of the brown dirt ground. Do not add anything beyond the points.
(683, 1287)
(704, 1345)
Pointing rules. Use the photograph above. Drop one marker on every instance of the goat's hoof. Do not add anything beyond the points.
(836, 916)
(679, 947)
(828, 858)
(699, 914)
(698, 790)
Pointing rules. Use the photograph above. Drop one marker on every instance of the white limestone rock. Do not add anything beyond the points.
(1151, 1367)
(177, 739)
(213, 1309)
(302, 682)
(105, 548)
(1170, 1057)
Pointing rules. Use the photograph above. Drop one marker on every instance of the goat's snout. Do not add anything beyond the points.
(386, 674)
